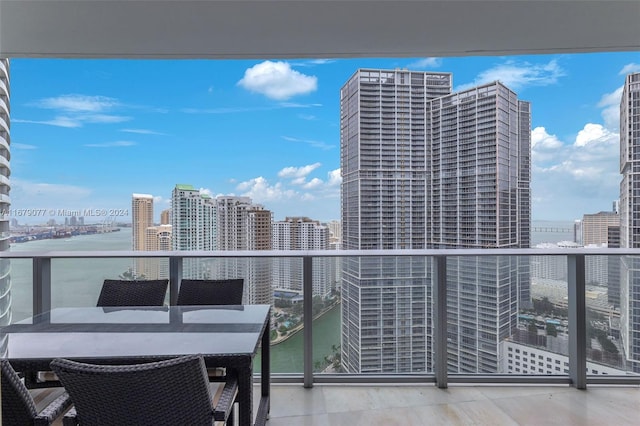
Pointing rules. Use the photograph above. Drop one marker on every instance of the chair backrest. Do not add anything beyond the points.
(18, 408)
(133, 293)
(171, 392)
(211, 292)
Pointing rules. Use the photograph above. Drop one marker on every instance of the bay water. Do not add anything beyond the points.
(77, 282)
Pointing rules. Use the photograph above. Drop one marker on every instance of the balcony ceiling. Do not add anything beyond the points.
(313, 28)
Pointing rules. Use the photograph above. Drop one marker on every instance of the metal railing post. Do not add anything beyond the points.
(307, 288)
(175, 276)
(577, 321)
(440, 320)
(41, 285)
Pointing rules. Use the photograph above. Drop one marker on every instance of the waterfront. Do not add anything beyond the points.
(77, 282)
(74, 282)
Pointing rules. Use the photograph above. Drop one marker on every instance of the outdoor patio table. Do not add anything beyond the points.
(226, 336)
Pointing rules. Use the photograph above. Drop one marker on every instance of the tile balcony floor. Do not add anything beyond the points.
(494, 405)
(352, 405)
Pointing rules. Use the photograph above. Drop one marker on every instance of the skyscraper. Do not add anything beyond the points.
(243, 225)
(158, 238)
(595, 233)
(193, 220)
(301, 233)
(425, 168)
(148, 237)
(142, 218)
(5, 187)
(629, 223)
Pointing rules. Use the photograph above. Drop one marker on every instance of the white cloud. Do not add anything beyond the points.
(630, 69)
(15, 145)
(261, 191)
(160, 201)
(425, 63)
(142, 131)
(544, 147)
(610, 104)
(206, 191)
(277, 80)
(76, 110)
(78, 103)
(296, 193)
(579, 176)
(103, 118)
(298, 172)
(313, 183)
(542, 140)
(111, 144)
(596, 134)
(57, 122)
(335, 178)
(517, 75)
(313, 143)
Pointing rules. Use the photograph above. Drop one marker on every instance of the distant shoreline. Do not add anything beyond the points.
(60, 234)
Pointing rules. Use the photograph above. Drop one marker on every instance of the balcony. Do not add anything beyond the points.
(444, 285)
(413, 397)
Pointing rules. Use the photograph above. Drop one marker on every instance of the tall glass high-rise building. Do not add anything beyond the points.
(193, 220)
(5, 201)
(630, 219)
(426, 168)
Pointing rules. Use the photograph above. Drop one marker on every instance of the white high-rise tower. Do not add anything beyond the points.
(5, 201)
(193, 220)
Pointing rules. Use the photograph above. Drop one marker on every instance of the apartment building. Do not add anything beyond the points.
(141, 219)
(5, 187)
(158, 238)
(243, 225)
(630, 219)
(193, 220)
(301, 233)
(426, 168)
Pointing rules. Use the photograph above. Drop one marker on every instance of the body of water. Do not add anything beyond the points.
(74, 282)
(77, 282)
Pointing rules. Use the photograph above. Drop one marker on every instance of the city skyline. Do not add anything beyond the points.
(86, 133)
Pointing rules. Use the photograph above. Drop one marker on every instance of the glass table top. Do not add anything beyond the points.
(113, 332)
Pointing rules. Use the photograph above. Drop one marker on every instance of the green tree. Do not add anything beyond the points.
(129, 275)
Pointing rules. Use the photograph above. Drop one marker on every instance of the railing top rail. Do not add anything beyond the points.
(318, 253)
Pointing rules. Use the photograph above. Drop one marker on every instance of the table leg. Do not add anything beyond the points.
(245, 394)
(265, 377)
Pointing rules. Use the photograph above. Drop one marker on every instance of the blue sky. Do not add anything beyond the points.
(87, 134)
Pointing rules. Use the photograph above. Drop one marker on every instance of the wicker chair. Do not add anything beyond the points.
(170, 392)
(211, 292)
(19, 408)
(133, 293)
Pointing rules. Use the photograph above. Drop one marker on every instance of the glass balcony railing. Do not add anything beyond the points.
(443, 316)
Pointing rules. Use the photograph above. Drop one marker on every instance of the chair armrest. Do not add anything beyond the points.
(53, 410)
(71, 418)
(224, 405)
